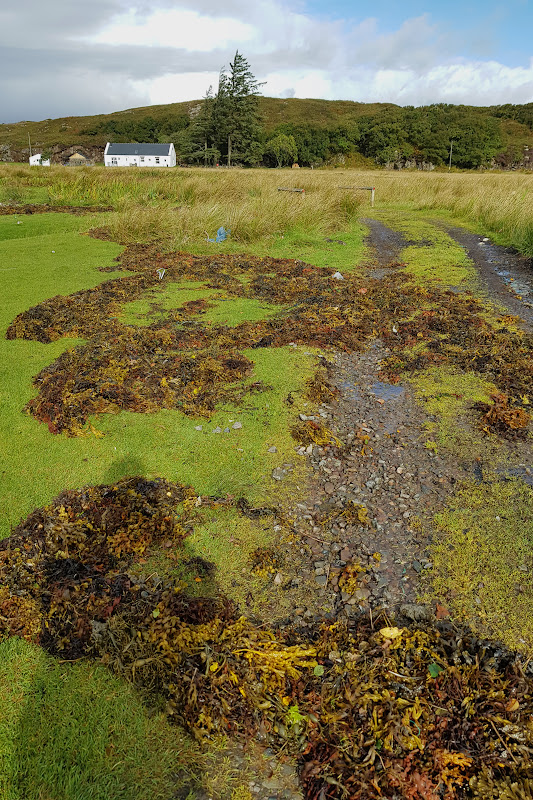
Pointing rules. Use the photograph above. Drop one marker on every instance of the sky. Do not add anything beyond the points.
(68, 58)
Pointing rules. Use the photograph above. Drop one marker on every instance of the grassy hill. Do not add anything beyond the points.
(507, 129)
(68, 131)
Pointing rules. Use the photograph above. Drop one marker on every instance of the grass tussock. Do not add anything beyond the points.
(183, 204)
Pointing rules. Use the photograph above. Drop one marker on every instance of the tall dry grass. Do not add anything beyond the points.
(184, 204)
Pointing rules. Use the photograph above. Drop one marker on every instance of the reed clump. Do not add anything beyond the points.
(184, 204)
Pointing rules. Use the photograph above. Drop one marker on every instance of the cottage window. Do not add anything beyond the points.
(142, 159)
(114, 162)
(157, 160)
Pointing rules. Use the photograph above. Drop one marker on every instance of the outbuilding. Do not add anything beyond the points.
(139, 155)
(37, 160)
(77, 159)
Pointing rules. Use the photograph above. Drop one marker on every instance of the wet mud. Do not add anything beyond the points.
(506, 276)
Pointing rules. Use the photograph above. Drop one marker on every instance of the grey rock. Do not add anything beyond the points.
(416, 612)
(321, 580)
(217, 430)
(236, 426)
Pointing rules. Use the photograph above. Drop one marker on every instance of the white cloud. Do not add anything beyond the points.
(134, 52)
(181, 28)
(172, 88)
(475, 83)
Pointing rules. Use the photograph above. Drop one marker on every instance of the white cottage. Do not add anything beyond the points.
(38, 161)
(139, 155)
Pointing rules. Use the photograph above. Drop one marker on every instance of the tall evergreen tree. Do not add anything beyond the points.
(235, 112)
(202, 132)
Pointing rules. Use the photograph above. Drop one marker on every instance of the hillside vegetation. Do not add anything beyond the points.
(323, 131)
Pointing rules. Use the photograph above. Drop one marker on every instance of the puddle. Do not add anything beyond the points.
(350, 390)
(524, 473)
(516, 285)
(386, 391)
(500, 267)
(521, 472)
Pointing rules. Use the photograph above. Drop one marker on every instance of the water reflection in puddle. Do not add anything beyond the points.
(524, 473)
(386, 391)
(350, 390)
(519, 285)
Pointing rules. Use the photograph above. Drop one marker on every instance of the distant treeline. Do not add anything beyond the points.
(402, 135)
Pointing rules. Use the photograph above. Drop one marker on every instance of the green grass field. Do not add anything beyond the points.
(73, 731)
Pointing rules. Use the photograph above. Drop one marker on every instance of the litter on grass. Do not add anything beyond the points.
(221, 235)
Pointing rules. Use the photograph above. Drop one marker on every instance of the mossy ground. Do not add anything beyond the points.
(35, 465)
(433, 256)
(482, 559)
(221, 309)
(74, 731)
(225, 540)
(448, 396)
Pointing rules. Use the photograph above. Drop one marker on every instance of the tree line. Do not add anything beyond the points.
(226, 128)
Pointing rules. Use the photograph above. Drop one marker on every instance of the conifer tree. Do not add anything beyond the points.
(202, 132)
(235, 112)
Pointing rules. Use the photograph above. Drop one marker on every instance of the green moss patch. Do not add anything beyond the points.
(160, 299)
(434, 256)
(220, 308)
(449, 396)
(483, 559)
(217, 555)
(74, 732)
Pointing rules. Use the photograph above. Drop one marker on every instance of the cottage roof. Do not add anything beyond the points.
(138, 149)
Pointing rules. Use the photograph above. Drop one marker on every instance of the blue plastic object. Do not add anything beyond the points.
(222, 234)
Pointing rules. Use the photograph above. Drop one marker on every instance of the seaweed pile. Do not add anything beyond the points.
(180, 362)
(370, 711)
(501, 418)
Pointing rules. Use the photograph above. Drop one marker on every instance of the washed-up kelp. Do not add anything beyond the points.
(45, 208)
(499, 417)
(370, 710)
(179, 362)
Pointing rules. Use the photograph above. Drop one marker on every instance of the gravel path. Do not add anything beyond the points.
(385, 468)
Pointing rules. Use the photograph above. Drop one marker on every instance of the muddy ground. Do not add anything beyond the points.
(506, 276)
